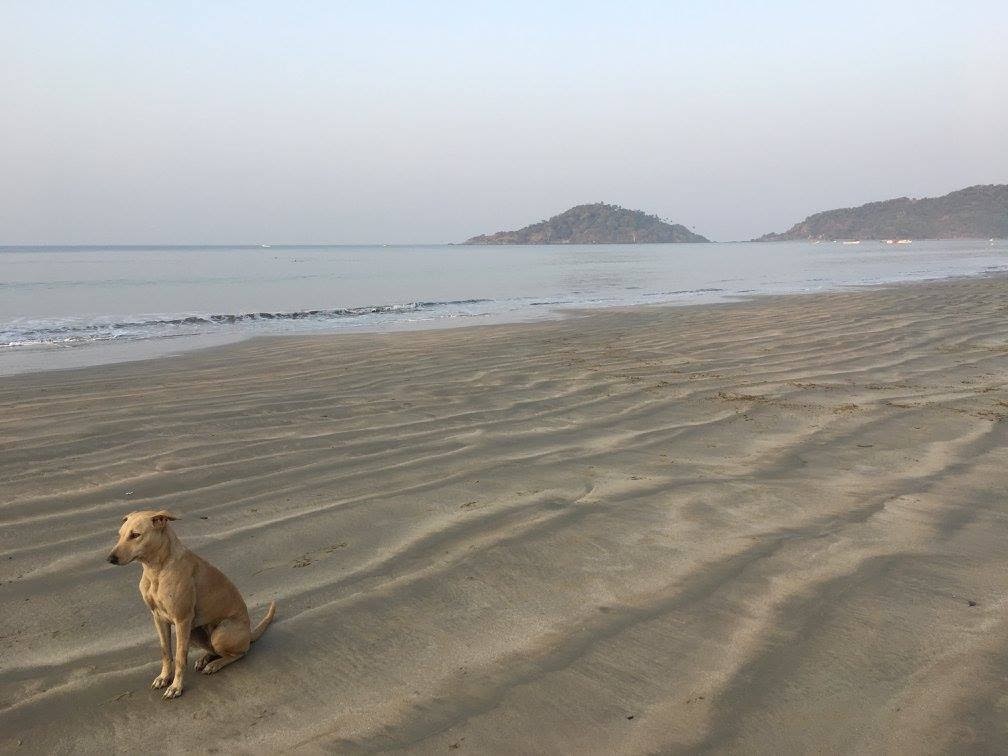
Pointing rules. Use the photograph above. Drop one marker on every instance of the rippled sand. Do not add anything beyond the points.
(757, 527)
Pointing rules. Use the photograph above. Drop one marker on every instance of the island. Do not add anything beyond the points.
(596, 223)
(977, 212)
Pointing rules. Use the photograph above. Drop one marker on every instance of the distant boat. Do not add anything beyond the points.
(858, 241)
(903, 241)
(265, 246)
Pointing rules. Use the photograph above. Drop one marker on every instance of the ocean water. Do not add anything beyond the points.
(73, 306)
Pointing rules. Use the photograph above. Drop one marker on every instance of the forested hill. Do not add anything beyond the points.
(977, 212)
(598, 223)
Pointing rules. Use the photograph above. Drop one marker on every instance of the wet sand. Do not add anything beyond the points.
(762, 527)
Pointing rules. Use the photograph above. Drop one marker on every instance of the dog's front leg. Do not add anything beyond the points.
(163, 628)
(182, 630)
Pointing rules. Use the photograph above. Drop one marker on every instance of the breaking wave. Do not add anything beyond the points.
(68, 332)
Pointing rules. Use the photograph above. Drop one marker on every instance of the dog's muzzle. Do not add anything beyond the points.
(113, 559)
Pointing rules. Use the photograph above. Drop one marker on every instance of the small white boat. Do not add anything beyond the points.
(903, 241)
(857, 241)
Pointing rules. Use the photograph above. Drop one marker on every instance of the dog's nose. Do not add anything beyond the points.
(113, 559)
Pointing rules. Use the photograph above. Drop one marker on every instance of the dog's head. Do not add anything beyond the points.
(141, 534)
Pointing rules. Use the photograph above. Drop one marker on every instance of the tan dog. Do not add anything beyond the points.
(183, 590)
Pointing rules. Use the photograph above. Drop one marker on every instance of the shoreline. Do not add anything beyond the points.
(161, 349)
(771, 525)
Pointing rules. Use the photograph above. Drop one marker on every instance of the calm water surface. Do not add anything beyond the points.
(64, 307)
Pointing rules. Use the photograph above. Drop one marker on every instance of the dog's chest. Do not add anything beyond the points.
(157, 598)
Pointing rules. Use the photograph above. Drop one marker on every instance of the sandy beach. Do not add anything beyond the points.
(761, 527)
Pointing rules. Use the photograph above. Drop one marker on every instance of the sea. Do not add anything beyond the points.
(64, 307)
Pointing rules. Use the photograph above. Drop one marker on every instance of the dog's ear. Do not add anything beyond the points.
(125, 517)
(161, 518)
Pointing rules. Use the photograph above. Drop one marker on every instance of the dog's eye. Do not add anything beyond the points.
(133, 535)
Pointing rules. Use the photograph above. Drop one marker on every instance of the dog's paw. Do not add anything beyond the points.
(173, 692)
(202, 661)
(212, 666)
(161, 681)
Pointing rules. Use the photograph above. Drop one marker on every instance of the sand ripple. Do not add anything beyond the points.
(769, 527)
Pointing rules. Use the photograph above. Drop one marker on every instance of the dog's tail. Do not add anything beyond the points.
(261, 627)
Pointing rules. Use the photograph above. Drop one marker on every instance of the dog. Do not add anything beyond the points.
(186, 591)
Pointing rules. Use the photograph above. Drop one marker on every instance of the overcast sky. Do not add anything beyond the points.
(371, 122)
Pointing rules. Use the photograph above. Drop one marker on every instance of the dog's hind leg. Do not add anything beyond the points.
(201, 639)
(230, 640)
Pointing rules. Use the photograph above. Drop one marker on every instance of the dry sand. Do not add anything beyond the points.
(756, 527)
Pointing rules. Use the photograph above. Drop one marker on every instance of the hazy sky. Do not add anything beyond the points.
(218, 122)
